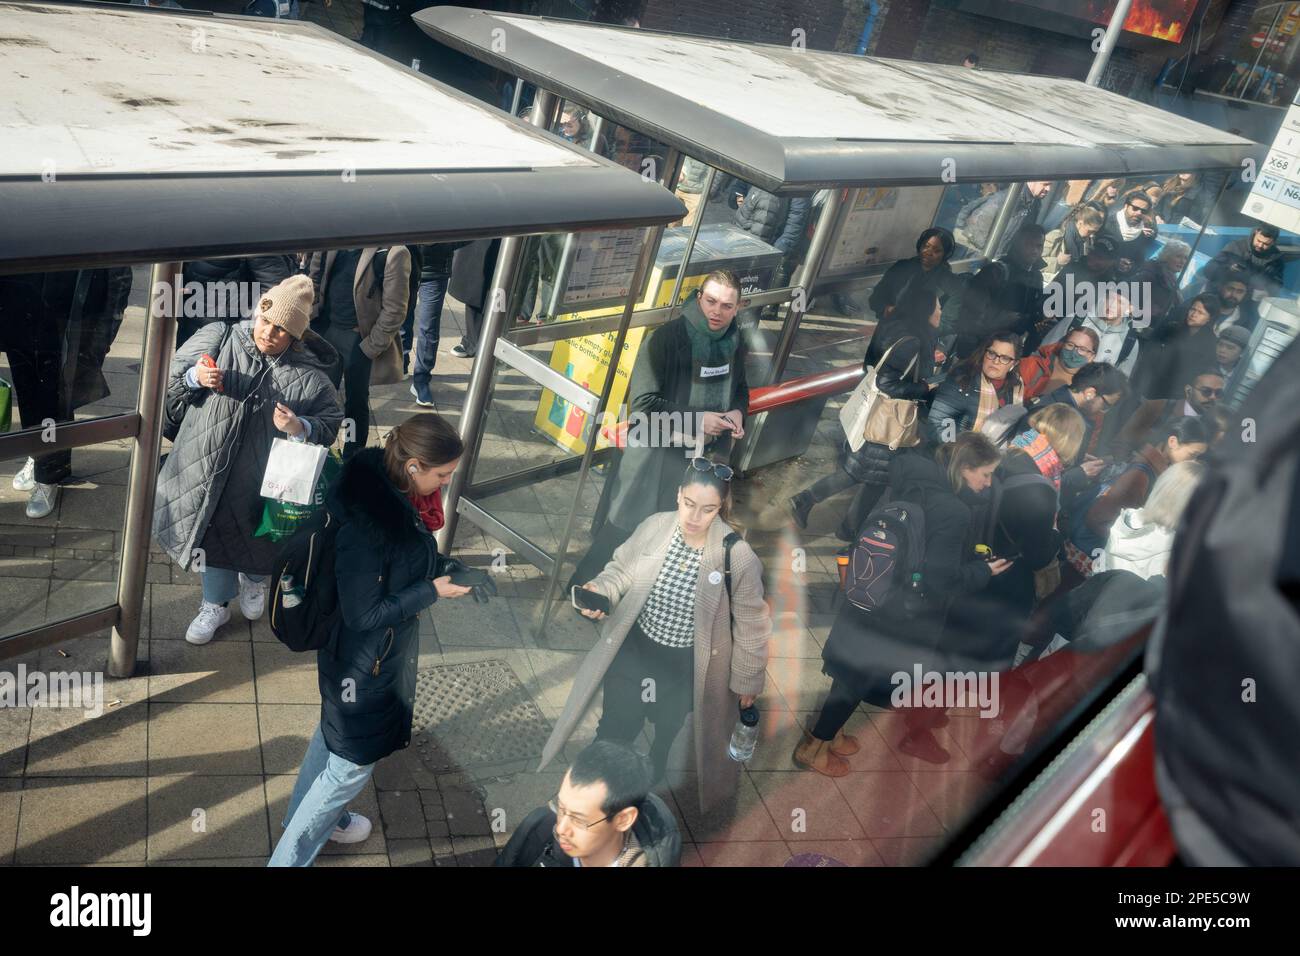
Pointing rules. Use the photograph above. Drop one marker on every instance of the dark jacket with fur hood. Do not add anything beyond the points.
(386, 561)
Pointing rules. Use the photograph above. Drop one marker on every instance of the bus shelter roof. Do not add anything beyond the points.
(789, 118)
(137, 135)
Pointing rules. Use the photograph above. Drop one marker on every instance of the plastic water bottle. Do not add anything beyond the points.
(745, 736)
(914, 599)
(290, 596)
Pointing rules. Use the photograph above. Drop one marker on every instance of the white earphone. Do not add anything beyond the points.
(413, 469)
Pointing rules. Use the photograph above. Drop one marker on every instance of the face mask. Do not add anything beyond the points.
(1072, 358)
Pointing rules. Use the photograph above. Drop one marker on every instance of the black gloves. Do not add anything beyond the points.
(480, 582)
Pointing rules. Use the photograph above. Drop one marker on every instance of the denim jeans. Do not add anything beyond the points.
(220, 585)
(319, 803)
(424, 328)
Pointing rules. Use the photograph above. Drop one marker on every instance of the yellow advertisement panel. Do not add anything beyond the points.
(586, 361)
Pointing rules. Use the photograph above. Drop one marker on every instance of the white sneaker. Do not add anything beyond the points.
(252, 598)
(44, 498)
(206, 622)
(357, 830)
(25, 480)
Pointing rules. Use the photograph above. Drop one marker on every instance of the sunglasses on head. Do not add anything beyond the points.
(703, 465)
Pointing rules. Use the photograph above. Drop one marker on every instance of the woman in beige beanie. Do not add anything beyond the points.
(232, 390)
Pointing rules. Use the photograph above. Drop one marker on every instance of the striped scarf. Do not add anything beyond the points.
(990, 402)
(1044, 456)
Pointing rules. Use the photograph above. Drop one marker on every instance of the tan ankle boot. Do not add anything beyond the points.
(814, 754)
(844, 745)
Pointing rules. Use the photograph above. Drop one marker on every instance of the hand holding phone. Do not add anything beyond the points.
(590, 602)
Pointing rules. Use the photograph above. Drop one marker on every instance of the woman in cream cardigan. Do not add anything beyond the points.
(670, 624)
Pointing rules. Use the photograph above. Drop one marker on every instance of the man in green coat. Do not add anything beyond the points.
(688, 389)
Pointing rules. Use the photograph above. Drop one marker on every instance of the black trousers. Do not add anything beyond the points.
(836, 711)
(354, 372)
(644, 668)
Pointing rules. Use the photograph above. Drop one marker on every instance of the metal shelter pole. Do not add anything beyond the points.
(159, 340)
(805, 279)
(690, 244)
(645, 262)
(1113, 30)
(545, 104)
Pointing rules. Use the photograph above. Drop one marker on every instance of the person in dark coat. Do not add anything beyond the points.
(1133, 227)
(268, 379)
(987, 380)
(1255, 257)
(1183, 195)
(688, 388)
(472, 267)
(603, 816)
(865, 650)
(1236, 307)
(56, 329)
(388, 503)
(1179, 350)
(907, 338)
(928, 268)
(225, 290)
(1161, 276)
(1006, 294)
(976, 220)
(1024, 531)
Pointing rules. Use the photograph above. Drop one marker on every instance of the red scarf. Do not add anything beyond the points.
(429, 508)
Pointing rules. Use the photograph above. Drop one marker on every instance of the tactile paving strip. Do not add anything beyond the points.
(475, 714)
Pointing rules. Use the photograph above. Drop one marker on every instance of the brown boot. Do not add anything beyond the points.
(844, 745)
(814, 754)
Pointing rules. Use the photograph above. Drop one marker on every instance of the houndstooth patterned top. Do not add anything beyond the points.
(668, 617)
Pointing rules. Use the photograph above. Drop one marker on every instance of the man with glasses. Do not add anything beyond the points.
(1096, 389)
(1133, 228)
(1200, 397)
(604, 815)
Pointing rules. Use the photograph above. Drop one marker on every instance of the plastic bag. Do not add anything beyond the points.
(280, 519)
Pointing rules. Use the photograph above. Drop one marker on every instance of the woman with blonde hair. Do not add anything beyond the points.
(1141, 539)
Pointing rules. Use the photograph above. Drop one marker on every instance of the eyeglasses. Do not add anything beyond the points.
(1106, 403)
(554, 806)
(1138, 206)
(1081, 349)
(998, 358)
(1207, 392)
(703, 465)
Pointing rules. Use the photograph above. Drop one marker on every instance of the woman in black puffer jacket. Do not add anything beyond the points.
(908, 337)
(388, 503)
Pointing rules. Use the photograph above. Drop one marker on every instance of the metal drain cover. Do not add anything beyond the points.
(475, 714)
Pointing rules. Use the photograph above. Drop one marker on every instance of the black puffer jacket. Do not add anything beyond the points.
(915, 340)
(1026, 530)
(1004, 295)
(386, 560)
(779, 220)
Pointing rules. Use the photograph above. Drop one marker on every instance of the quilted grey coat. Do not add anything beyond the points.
(209, 491)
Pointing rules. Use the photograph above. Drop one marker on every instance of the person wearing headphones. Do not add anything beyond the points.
(235, 388)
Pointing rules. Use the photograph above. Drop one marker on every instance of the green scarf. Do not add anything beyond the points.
(709, 350)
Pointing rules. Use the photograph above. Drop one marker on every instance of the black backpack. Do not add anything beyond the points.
(304, 606)
(889, 550)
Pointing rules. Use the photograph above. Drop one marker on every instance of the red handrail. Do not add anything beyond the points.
(769, 397)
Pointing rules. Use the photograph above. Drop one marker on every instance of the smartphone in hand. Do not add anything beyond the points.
(585, 600)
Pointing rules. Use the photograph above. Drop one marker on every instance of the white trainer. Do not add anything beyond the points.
(357, 830)
(25, 480)
(206, 622)
(252, 598)
(44, 498)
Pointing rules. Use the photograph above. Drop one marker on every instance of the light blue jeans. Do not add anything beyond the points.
(220, 585)
(319, 803)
